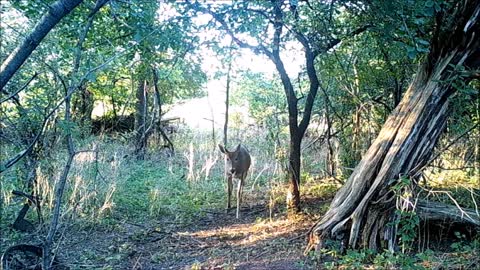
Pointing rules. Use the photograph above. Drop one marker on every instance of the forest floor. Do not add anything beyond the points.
(213, 240)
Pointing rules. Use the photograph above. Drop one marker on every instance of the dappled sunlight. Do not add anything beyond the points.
(247, 234)
(217, 239)
(112, 126)
(84, 157)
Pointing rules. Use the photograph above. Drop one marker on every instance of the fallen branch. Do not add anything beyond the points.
(436, 211)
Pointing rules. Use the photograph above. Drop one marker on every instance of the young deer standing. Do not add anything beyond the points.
(237, 165)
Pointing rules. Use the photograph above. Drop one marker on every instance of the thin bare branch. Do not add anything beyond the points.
(19, 90)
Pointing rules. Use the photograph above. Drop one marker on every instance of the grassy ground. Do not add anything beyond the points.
(164, 212)
(167, 212)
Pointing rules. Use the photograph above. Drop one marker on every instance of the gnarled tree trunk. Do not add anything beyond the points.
(362, 208)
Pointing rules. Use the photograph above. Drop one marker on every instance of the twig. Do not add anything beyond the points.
(420, 167)
(19, 90)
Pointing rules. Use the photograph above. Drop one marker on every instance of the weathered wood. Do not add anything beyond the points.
(364, 205)
(440, 212)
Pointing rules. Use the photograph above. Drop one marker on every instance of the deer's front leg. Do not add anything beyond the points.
(229, 191)
(239, 195)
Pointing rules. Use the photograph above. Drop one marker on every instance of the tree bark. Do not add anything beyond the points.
(56, 12)
(362, 208)
(83, 107)
(439, 212)
(158, 122)
(294, 162)
(227, 100)
(140, 120)
(357, 117)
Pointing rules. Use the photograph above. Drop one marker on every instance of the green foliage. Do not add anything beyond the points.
(364, 75)
(407, 229)
(356, 259)
(266, 104)
(366, 259)
(407, 221)
(388, 260)
(265, 96)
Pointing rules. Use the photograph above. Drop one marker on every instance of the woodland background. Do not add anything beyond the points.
(109, 134)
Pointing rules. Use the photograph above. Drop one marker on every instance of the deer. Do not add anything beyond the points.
(236, 166)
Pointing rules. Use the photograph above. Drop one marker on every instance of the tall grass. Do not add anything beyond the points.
(107, 182)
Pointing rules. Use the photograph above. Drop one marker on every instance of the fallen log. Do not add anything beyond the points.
(441, 212)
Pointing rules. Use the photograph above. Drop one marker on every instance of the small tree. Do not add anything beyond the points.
(283, 25)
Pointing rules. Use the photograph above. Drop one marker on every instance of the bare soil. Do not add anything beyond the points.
(213, 240)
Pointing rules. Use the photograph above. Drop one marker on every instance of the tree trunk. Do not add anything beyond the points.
(56, 12)
(362, 208)
(227, 100)
(87, 107)
(294, 160)
(357, 117)
(158, 122)
(83, 107)
(294, 157)
(476, 160)
(140, 120)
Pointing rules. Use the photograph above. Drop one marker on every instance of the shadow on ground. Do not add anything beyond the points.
(214, 240)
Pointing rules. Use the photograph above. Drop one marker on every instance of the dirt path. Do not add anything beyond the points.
(216, 240)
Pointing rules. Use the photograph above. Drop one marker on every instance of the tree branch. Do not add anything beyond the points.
(196, 6)
(70, 91)
(19, 90)
(417, 169)
(15, 60)
(336, 41)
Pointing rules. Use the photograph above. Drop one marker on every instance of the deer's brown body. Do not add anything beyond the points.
(237, 165)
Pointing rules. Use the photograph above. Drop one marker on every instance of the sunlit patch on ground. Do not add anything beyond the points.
(247, 234)
(215, 240)
(219, 240)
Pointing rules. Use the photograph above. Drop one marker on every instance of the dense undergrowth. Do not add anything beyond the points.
(108, 187)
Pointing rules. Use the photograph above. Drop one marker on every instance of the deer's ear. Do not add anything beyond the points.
(222, 149)
(238, 148)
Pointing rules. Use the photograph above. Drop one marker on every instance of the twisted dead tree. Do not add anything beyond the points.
(361, 214)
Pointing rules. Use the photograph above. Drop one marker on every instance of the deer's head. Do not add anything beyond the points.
(238, 161)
